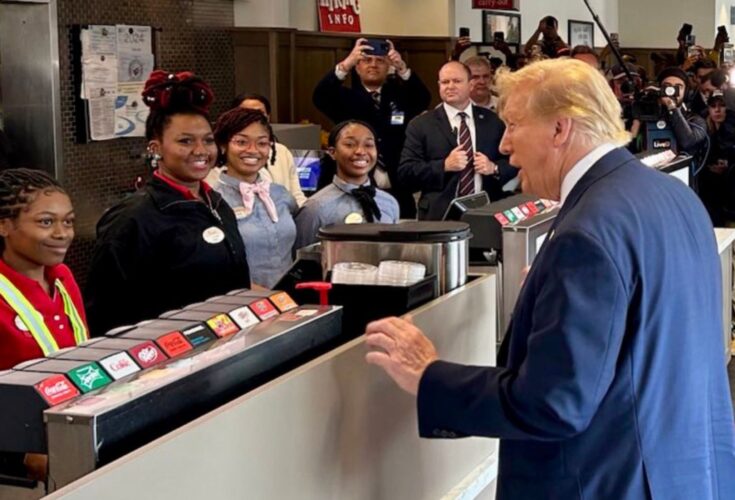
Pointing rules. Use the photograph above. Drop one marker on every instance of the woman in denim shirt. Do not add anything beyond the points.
(264, 210)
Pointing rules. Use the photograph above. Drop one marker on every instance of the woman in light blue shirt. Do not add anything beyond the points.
(350, 198)
(264, 210)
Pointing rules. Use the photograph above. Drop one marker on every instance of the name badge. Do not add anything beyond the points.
(354, 218)
(397, 118)
(240, 212)
(213, 235)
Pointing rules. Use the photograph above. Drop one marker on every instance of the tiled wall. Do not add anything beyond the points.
(191, 35)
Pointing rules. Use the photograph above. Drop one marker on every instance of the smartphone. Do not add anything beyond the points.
(464, 32)
(722, 30)
(690, 40)
(614, 38)
(693, 51)
(686, 30)
(380, 47)
(499, 36)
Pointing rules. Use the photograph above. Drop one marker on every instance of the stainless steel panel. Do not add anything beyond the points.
(726, 273)
(520, 245)
(334, 428)
(30, 81)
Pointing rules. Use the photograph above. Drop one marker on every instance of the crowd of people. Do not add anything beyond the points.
(223, 210)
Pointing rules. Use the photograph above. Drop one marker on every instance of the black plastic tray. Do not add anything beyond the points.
(365, 303)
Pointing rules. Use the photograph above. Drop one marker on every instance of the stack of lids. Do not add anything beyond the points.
(400, 273)
(354, 273)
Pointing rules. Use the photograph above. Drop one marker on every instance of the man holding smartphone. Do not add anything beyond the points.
(386, 103)
(551, 45)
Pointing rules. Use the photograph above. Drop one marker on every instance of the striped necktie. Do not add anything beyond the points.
(375, 95)
(467, 175)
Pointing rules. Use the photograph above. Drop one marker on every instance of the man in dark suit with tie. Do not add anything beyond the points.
(452, 150)
(611, 381)
(387, 103)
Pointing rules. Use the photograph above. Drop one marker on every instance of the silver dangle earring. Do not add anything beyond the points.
(153, 159)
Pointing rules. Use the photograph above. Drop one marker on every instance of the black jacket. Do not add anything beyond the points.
(410, 97)
(429, 140)
(151, 257)
(689, 129)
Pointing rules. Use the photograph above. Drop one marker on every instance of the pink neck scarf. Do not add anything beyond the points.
(262, 189)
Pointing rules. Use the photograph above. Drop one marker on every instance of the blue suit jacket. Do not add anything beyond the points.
(611, 381)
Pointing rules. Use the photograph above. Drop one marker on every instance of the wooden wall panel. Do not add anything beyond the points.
(311, 66)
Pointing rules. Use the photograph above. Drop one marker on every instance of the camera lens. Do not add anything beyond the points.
(670, 91)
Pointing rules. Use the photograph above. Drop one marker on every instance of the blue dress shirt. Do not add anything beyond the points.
(333, 204)
(269, 245)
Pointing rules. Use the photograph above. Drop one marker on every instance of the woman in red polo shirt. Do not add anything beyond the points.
(41, 308)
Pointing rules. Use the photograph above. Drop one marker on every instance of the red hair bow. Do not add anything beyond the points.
(164, 90)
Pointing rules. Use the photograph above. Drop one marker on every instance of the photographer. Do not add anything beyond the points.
(690, 130)
(625, 92)
(551, 44)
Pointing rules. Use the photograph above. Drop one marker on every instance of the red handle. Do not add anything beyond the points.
(322, 287)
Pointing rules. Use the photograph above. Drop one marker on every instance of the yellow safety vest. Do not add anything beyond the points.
(34, 320)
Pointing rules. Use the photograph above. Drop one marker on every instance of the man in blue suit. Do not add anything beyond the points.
(611, 382)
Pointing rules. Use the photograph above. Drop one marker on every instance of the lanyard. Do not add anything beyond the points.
(34, 320)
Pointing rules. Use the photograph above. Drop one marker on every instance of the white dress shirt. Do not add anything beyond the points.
(581, 168)
(455, 121)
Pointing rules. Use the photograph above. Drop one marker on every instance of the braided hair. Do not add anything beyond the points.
(169, 94)
(19, 188)
(234, 121)
(327, 165)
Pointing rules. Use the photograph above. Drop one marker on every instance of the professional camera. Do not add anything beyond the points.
(647, 105)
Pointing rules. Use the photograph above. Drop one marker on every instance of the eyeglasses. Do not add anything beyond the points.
(241, 143)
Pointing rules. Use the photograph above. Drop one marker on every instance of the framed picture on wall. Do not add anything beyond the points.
(496, 22)
(581, 33)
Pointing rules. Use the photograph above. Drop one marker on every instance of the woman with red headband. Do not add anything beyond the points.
(174, 242)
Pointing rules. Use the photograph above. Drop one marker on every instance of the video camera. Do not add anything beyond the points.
(647, 105)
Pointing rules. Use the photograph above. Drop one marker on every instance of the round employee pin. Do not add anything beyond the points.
(213, 235)
(661, 124)
(354, 218)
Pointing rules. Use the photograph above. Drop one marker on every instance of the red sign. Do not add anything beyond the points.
(494, 4)
(263, 309)
(147, 354)
(173, 344)
(339, 15)
(56, 389)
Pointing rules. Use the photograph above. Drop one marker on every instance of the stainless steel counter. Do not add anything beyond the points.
(333, 428)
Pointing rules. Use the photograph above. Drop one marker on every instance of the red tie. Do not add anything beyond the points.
(467, 175)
